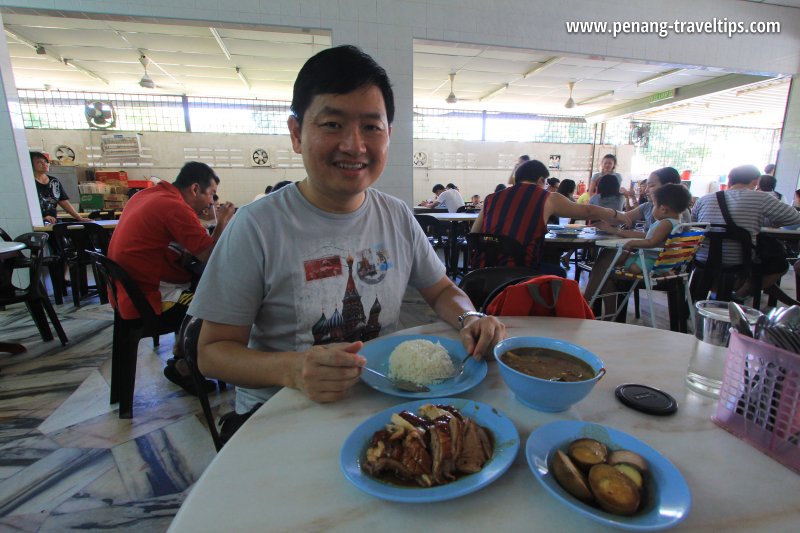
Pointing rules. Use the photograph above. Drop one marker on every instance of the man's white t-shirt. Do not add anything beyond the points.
(450, 199)
(302, 276)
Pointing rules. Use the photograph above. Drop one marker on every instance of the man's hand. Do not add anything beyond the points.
(481, 334)
(84, 219)
(50, 220)
(225, 212)
(325, 373)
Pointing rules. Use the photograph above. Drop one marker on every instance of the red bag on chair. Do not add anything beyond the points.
(542, 296)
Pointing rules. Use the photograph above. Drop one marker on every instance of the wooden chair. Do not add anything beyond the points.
(75, 239)
(669, 272)
(34, 296)
(127, 332)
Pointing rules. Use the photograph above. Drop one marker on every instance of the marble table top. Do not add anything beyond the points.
(453, 217)
(280, 472)
(107, 224)
(10, 248)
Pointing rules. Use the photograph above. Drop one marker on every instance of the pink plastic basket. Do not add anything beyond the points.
(759, 400)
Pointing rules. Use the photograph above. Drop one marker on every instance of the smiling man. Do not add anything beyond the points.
(304, 275)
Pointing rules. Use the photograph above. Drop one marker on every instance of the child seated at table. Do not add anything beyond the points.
(668, 203)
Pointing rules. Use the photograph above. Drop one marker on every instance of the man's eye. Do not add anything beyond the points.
(332, 125)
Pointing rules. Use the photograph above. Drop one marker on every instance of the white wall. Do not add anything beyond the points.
(386, 29)
(164, 153)
(477, 167)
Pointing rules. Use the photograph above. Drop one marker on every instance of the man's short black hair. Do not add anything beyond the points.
(280, 185)
(339, 70)
(451, 186)
(524, 157)
(743, 175)
(553, 182)
(438, 187)
(668, 175)
(769, 169)
(531, 171)
(767, 183)
(675, 196)
(39, 155)
(195, 172)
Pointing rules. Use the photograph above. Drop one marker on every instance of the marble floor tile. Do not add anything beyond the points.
(165, 461)
(150, 515)
(105, 491)
(48, 482)
(88, 401)
(20, 453)
(29, 523)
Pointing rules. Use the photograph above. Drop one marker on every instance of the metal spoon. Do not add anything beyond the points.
(400, 384)
(461, 366)
(739, 319)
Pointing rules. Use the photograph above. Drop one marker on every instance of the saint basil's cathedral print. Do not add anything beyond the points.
(351, 324)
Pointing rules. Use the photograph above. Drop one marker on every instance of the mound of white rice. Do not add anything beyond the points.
(420, 361)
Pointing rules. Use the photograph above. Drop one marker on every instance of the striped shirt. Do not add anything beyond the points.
(750, 210)
(517, 212)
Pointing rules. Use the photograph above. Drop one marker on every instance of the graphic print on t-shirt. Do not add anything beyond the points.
(337, 285)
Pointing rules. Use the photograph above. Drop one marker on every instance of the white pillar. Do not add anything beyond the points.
(788, 165)
(19, 199)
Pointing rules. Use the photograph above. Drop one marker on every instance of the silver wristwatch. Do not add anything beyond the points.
(463, 317)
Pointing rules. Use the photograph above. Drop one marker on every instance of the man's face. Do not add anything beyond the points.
(344, 141)
(40, 165)
(202, 199)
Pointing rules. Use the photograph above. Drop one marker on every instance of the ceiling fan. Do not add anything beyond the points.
(570, 103)
(146, 81)
(451, 98)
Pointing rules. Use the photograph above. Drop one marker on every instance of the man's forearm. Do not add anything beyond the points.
(239, 365)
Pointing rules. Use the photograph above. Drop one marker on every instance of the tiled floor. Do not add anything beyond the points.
(68, 463)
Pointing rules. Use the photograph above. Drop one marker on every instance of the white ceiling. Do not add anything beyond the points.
(190, 59)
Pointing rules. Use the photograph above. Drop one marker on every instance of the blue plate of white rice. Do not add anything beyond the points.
(424, 359)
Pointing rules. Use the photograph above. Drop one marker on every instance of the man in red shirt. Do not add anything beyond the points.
(158, 230)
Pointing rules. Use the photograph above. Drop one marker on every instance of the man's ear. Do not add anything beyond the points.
(294, 133)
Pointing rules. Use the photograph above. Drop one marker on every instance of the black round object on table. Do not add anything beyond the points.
(646, 399)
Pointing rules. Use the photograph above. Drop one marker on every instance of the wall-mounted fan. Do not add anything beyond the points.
(639, 134)
(64, 153)
(261, 158)
(100, 115)
(420, 160)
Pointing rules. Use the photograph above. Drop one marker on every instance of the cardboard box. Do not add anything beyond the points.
(140, 184)
(89, 202)
(109, 175)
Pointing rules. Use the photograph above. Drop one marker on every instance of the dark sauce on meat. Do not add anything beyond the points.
(545, 363)
(392, 479)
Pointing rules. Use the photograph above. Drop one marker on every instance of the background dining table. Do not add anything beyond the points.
(281, 471)
(109, 225)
